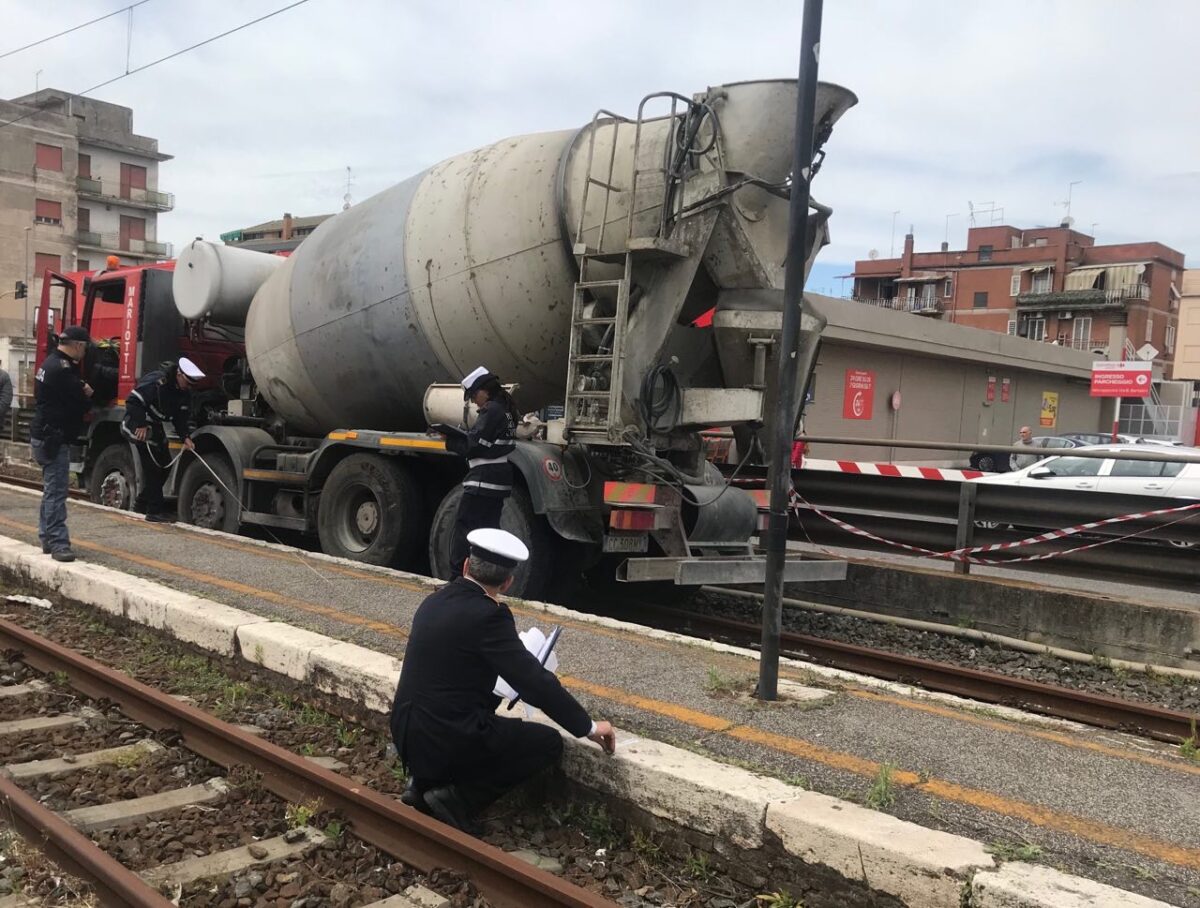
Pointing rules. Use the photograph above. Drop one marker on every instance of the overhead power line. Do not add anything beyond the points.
(171, 56)
(75, 28)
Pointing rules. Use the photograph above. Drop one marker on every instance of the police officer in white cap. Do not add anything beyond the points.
(460, 755)
(160, 396)
(487, 447)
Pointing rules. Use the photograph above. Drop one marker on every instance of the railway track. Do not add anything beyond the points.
(371, 817)
(1086, 707)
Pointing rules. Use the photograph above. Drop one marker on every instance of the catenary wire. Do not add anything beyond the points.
(74, 28)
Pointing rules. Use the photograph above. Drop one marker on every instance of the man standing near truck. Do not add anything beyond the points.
(61, 400)
(159, 396)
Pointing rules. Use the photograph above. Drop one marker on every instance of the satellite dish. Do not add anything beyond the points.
(1068, 221)
(873, 254)
(1139, 269)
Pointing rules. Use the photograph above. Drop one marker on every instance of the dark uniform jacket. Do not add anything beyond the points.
(444, 711)
(60, 403)
(489, 443)
(154, 401)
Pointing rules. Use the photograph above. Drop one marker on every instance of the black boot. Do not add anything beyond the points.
(414, 797)
(447, 805)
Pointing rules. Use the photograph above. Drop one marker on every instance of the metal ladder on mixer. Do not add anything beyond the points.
(595, 367)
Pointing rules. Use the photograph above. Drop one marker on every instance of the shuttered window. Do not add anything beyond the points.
(47, 212)
(49, 157)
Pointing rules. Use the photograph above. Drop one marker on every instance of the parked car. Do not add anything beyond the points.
(1159, 478)
(990, 462)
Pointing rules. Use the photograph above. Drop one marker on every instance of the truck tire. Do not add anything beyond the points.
(203, 501)
(372, 511)
(534, 578)
(112, 481)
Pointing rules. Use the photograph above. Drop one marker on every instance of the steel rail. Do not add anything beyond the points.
(1088, 708)
(378, 819)
(115, 885)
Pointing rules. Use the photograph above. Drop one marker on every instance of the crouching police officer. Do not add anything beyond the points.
(460, 755)
(62, 399)
(159, 396)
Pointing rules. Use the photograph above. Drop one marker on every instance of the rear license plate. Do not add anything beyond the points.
(626, 542)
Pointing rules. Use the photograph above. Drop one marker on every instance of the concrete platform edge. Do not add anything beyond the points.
(923, 867)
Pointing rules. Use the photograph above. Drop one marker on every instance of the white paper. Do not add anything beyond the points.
(30, 600)
(536, 642)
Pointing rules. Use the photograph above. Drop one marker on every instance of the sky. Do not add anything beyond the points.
(961, 104)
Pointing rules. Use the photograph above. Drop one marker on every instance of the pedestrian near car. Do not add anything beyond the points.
(61, 398)
(6, 399)
(486, 446)
(161, 396)
(1020, 461)
(460, 755)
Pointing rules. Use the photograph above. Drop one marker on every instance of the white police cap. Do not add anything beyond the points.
(474, 377)
(498, 547)
(190, 369)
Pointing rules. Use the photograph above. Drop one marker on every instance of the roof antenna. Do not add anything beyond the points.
(346, 201)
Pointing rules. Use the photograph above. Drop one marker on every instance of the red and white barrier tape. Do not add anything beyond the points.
(889, 469)
(965, 554)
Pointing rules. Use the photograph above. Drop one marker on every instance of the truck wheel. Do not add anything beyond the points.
(533, 578)
(371, 510)
(203, 501)
(112, 480)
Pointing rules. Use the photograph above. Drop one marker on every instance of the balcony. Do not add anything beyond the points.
(1083, 299)
(130, 196)
(112, 243)
(919, 306)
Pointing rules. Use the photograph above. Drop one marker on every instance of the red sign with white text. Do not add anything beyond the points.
(991, 388)
(858, 400)
(1004, 390)
(1121, 379)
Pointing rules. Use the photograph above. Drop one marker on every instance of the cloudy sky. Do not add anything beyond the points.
(959, 101)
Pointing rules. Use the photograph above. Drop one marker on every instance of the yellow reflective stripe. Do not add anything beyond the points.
(428, 444)
(342, 436)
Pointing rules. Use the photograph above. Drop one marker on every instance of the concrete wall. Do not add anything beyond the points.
(942, 372)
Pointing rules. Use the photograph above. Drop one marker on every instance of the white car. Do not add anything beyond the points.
(1128, 477)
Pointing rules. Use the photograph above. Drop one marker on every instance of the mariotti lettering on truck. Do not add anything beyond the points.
(575, 265)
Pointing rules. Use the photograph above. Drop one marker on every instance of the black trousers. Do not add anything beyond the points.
(515, 752)
(475, 512)
(153, 456)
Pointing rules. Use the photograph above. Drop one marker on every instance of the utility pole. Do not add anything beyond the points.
(790, 397)
(28, 290)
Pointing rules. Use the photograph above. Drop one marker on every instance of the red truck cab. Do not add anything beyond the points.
(131, 316)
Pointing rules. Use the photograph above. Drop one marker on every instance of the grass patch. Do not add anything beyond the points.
(298, 815)
(1190, 748)
(1016, 851)
(779, 899)
(882, 793)
(700, 868)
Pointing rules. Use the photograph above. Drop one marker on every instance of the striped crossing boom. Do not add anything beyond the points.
(890, 469)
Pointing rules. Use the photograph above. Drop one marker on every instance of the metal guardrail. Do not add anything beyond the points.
(1153, 452)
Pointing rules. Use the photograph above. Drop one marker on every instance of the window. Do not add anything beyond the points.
(1075, 466)
(910, 293)
(985, 253)
(1081, 332)
(1037, 329)
(948, 289)
(1170, 339)
(49, 157)
(43, 262)
(1014, 284)
(132, 229)
(1041, 282)
(84, 265)
(132, 177)
(979, 301)
(928, 292)
(1136, 468)
(47, 212)
(1172, 469)
(85, 219)
(1039, 241)
(1012, 328)
(85, 166)
(1149, 330)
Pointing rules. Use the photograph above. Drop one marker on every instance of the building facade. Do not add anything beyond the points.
(282, 235)
(1051, 284)
(76, 186)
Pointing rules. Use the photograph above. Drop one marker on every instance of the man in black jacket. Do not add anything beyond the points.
(61, 400)
(460, 754)
(160, 396)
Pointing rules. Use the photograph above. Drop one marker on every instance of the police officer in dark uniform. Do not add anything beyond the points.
(487, 447)
(61, 400)
(160, 396)
(462, 756)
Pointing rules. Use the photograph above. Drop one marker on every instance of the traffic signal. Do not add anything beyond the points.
(21, 291)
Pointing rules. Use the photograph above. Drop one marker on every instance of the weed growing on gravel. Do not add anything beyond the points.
(1008, 851)
(645, 847)
(307, 749)
(699, 868)
(1142, 873)
(780, 899)
(1190, 748)
(347, 735)
(398, 772)
(127, 759)
(882, 793)
(722, 686)
(298, 815)
(800, 781)
(62, 679)
(333, 830)
(311, 715)
(1101, 661)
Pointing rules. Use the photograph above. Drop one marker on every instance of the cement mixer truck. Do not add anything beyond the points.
(574, 264)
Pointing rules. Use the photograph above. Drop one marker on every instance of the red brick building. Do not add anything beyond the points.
(1052, 284)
